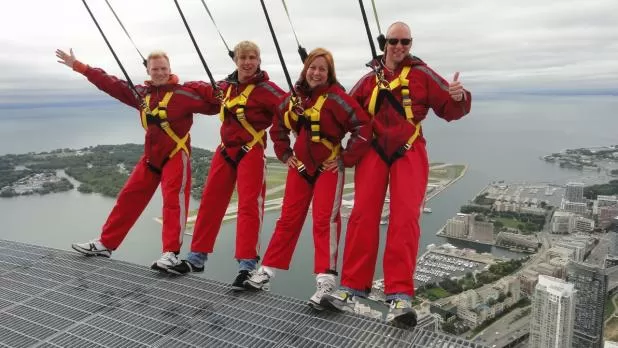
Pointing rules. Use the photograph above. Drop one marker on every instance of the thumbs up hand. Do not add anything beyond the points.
(455, 88)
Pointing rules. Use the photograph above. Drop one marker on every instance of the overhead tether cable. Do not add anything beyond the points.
(274, 36)
(302, 52)
(229, 51)
(381, 38)
(126, 32)
(218, 90)
(126, 75)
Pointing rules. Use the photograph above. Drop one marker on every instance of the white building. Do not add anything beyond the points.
(553, 313)
(562, 222)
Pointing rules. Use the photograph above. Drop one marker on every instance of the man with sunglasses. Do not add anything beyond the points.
(398, 94)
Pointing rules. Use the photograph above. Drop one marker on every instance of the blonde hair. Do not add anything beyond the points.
(157, 54)
(313, 55)
(246, 46)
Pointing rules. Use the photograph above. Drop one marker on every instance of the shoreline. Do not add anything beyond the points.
(276, 203)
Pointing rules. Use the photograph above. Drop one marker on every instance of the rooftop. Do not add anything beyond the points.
(56, 298)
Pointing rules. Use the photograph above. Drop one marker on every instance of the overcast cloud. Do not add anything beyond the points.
(498, 46)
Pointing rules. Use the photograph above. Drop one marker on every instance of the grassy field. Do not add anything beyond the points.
(611, 330)
(277, 173)
(509, 222)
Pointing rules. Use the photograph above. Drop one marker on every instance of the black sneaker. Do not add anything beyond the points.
(401, 314)
(185, 267)
(239, 282)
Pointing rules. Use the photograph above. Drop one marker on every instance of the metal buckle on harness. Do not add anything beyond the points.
(402, 150)
(219, 94)
(246, 148)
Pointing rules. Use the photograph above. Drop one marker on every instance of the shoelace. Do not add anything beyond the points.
(170, 256)
(260, 277)
(324, 288)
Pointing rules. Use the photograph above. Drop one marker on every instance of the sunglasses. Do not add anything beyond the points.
(394, 42)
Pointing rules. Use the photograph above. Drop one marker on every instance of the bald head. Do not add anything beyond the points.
(399, 28)
(398, 44)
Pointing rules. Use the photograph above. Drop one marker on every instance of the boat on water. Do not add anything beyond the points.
(426, 210)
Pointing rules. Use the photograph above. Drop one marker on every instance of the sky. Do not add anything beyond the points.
(498, 46)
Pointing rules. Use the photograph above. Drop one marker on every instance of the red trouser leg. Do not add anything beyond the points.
(176, 189)
(409, 176)
(131, 202)
(215, 199)
(327, 220)
(363, 232)
(251, 186)
(296, 201)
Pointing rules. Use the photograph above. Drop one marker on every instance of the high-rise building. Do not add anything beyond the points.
(553, 313)
(591, 285)
(574, 192)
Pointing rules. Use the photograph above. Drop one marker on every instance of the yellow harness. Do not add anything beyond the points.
(160, 112)
(402, 81)
(312, 114)
(241, 102)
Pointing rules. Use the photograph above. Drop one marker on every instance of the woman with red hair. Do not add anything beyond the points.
(320, 115)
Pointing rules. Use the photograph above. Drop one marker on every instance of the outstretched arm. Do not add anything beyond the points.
(109, 84)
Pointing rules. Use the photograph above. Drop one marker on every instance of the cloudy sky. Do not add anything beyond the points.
(499, 46)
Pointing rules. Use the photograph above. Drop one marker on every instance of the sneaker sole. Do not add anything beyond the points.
(316, 306)
(404, 321)
(239, 288)
(248, 285)
(326, 304)
(156, 267)
(89, 252)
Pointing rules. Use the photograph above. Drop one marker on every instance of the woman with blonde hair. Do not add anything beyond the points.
(316, 169)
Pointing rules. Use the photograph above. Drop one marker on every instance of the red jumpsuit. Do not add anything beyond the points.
(408, 176)
(231, 166)
(155, 166)
(339, 115)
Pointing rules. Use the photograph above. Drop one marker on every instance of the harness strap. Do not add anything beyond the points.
(159, 115)
(241, 102)
(406, 103)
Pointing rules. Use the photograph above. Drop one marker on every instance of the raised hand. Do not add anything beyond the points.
(66, 59)
(291, 162)
(331, 165)
(455, 88)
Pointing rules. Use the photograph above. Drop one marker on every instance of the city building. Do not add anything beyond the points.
(574, 192)
(562, 222)
(583, 225)
(591, 284)
(553, 313)
(481, 230)
(509, 239)
(603, 201)
(606, 216)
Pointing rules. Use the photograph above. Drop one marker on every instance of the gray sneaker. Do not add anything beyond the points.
(401, 314)
(259, 280)
(92, 248)
(339, 300)
(324, 287)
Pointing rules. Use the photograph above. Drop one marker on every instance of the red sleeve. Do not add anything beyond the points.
(359, 91)
(280, 134)
(356, 121)
(440, 100)
(110, 84)
(207, 104)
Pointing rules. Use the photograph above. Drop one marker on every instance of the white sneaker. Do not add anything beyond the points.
(168, 260)
(325, 285)
(92, 248)
(259, 280)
